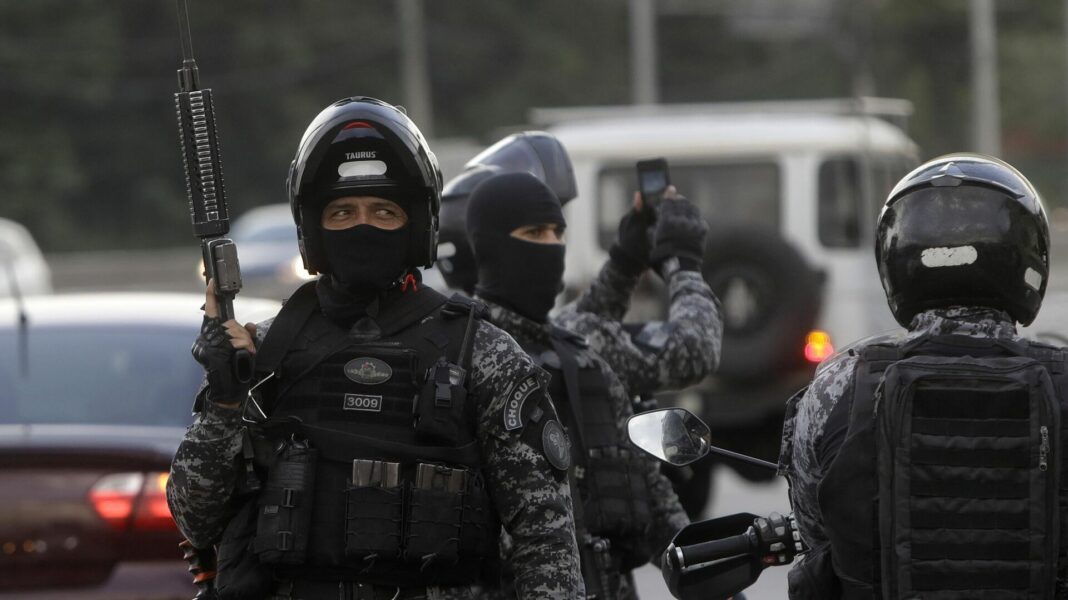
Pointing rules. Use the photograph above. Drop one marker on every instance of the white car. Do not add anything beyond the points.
(791, 191)
(23, 269)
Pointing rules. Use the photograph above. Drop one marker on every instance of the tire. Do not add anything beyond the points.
(770, 299)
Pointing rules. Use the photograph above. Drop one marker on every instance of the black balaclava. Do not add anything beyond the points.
(363, 262)
(523, 276)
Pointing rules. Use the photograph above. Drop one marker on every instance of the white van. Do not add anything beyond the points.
(791, 190)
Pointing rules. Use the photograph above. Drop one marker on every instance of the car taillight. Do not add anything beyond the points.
(818, 346)
(140, 499)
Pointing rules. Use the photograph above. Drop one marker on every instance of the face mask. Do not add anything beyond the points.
(366, 257)
(524, 276)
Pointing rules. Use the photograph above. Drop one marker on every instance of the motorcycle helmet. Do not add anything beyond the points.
(364, 146)
(963, 229)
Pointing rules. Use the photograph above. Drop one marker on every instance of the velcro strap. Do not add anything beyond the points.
(964, 488)
(278, 541)
(1019, 458)
(997, 575)
(972, 427)
(285, 497)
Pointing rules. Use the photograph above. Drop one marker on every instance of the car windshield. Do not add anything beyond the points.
(121, 375)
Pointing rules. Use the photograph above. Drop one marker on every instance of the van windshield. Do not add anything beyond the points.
(845, 219)
(745, 193)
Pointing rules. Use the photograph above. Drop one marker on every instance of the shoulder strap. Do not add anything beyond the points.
(569, 371)
(285, 327)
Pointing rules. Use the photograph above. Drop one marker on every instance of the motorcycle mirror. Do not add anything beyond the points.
(673, 435)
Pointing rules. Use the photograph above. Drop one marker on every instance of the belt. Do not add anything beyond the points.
(303, 589)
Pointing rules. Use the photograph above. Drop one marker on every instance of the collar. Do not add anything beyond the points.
(516, 324)
(972, 321)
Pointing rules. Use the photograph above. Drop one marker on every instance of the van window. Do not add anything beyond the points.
(845, 219)
(725, 193)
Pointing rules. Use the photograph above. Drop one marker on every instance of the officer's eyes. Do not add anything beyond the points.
(385, 213)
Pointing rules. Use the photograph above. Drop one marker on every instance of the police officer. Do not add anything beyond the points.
(921, 464)
(626, 511)
(395, 430)
(534, 152)
(648, 357)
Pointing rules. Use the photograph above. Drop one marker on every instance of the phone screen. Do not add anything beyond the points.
(653, 182)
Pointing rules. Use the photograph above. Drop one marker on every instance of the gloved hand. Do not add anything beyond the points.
(215, 348)
(631, 250)
(680, 233)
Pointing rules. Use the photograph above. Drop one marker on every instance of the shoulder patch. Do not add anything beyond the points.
(517, 395)
(556, 445)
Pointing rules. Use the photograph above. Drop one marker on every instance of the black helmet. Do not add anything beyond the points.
(963, 229)
(534, 152)
(363, 146)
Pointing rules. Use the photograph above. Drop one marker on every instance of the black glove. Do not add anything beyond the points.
(631, 250)
(680, 233)
(213, 350)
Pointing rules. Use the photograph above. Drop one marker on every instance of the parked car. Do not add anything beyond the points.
(95, 395)
(23, 269)
(791, 190)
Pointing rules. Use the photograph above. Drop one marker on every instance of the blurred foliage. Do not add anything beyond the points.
(89, 154)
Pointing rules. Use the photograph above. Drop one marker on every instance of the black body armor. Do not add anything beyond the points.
(950, 482)
(610, 474)
(372, 468)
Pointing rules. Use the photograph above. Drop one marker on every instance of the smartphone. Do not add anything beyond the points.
(653, 179)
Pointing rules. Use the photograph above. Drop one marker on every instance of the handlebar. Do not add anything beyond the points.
(717, 549)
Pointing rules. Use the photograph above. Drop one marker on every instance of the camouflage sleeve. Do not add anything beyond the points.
(530, 494)
(206, 467)
(805, 457)
(203, 474)
(664, 355)
(668, 516)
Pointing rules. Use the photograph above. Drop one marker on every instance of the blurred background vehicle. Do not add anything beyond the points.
(21, 263)
(266, 240)
(791, 191)
(95, 395)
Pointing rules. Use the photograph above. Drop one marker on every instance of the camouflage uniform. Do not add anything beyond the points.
(531, 498)
(666, 354)
(817, 420)
(668, 517)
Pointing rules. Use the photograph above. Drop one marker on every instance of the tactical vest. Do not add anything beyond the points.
(610, 474)
(950, 481)
(373, 470)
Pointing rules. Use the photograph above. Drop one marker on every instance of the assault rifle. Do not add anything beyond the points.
(204, 185)
(211, 222)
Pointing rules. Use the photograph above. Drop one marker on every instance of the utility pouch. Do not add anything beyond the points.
(439, 408)
(285, 506)
(240, 574)
(374, 511)
(617, 500)
(480, 529)
(436, 515)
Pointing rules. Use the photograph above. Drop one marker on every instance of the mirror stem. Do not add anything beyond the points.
(744, 458)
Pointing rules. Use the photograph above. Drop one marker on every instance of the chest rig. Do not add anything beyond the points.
(950, 482)
(608, 473)
(369, 457)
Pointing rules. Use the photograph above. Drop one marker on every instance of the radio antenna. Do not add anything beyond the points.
(188, 75)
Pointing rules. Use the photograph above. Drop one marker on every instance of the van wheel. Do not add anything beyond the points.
(770, 299)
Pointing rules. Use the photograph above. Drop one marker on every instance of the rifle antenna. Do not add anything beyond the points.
(188, 76)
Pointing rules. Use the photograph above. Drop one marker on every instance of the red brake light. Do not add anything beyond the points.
(124, 498)
(153, 513)
(818, 346)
